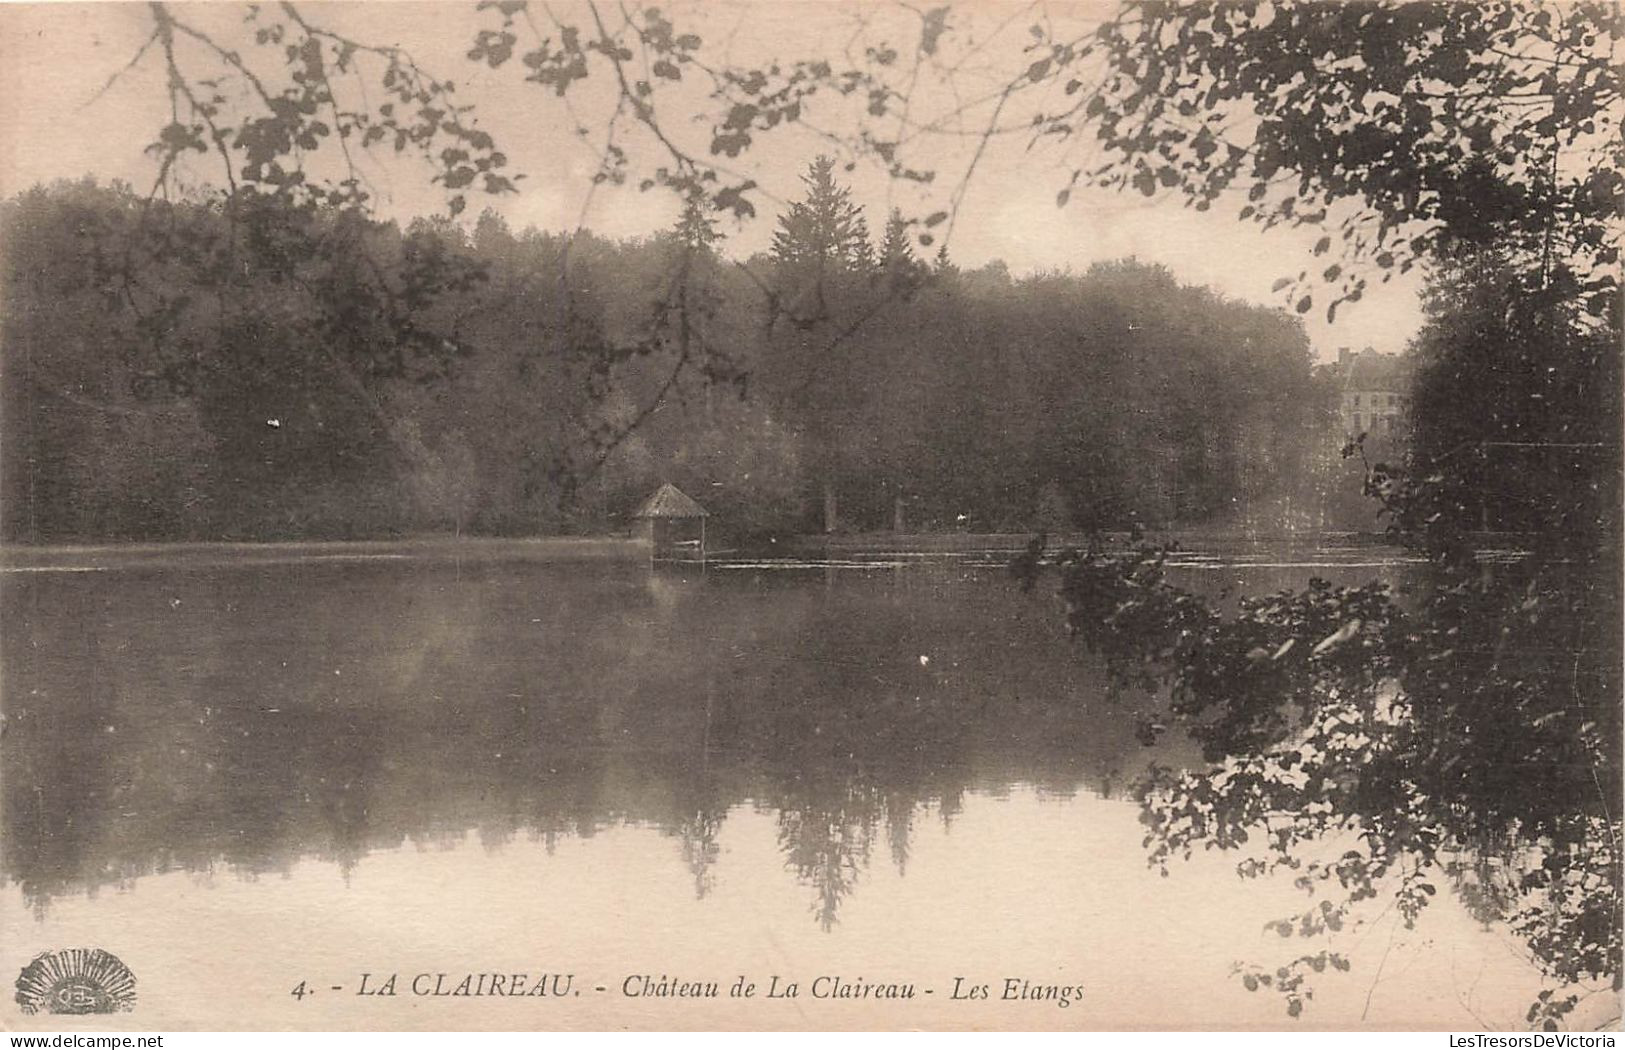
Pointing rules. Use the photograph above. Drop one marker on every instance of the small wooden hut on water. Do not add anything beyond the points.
(674, 525)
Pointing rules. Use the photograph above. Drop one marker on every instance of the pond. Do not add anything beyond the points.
(860, 777)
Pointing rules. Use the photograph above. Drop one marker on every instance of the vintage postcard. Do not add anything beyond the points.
(560, 515)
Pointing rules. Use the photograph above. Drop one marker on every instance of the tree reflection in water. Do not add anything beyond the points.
(244, 719)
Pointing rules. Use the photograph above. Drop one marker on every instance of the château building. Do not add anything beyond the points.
(1373, 392)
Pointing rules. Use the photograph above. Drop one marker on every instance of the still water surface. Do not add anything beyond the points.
(240, 777)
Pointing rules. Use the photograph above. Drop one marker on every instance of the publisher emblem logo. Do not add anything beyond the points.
(76, 981)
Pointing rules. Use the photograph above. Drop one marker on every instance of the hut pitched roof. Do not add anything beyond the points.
(670, 502)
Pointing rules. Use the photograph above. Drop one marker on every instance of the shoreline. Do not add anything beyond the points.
(91, 557)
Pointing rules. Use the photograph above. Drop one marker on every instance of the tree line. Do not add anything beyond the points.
(250, 367)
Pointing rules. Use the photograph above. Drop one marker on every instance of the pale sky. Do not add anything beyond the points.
(56, 121)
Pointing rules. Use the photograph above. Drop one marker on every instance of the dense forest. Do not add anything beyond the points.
(247, 368)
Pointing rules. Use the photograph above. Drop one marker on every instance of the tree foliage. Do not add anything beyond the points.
(1469, 734)
(309, 374)
(1407, 130)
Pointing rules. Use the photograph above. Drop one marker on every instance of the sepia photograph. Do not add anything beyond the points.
(811, 515)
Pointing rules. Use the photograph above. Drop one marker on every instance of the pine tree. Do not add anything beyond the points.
(898, 265)
(689, 311)
(823, 258)
(824, 234)
(695, 230)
